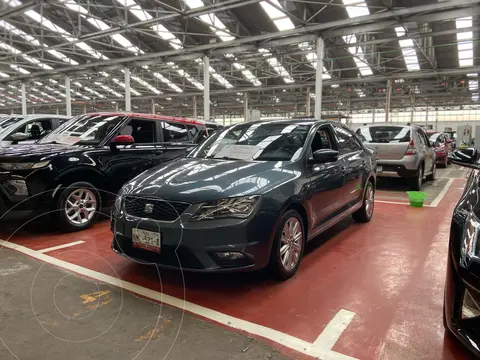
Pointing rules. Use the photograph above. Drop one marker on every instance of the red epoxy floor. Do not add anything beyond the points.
(390, 272)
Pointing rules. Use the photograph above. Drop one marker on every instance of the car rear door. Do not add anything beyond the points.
(353, 155)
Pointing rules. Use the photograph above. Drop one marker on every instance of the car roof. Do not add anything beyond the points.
(149, 116)
(306, 121)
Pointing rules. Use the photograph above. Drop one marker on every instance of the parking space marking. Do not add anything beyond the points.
(58, 247)
(442, 193)
(320, 349)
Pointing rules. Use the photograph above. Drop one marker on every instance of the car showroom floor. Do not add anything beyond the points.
(364, 291)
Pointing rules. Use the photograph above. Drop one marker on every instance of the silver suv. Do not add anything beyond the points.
(401, 151)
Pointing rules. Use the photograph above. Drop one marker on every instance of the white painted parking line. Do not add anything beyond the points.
(58, 247)
(442, 194)
(320, 349)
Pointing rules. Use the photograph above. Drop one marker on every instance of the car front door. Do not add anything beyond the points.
(327, 180)
(353, 155)
(121, 163)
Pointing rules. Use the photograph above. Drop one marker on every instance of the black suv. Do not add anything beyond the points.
(77, 169)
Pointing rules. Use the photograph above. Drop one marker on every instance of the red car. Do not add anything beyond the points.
(442, 146)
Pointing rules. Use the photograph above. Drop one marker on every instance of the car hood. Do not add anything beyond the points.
(20, 153)
(196, 180)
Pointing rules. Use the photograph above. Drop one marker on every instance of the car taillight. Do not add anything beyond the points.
(411, 149)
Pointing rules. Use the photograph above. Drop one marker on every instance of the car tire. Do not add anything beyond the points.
(77, 207)
(417, 181)
(432, 176)
(280, 265)
(365, 213)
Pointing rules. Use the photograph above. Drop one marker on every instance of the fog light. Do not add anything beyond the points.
(17, 187)
(230, 255)
(471, 307)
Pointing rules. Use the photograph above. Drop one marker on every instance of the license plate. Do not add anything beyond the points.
(145, 239)
(379, 169)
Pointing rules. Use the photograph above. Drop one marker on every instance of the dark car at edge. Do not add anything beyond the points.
(248, 197)
(462, 287)
(77, 169)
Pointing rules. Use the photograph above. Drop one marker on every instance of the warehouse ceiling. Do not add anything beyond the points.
(260, 51)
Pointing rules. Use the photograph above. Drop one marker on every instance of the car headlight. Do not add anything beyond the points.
(469, 249)
(238, 207)
(24, 166)
(121, 197)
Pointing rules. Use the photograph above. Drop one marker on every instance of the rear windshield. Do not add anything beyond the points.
(384, 134)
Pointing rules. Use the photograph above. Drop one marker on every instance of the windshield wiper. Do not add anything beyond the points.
(226, 158)
(49, 142)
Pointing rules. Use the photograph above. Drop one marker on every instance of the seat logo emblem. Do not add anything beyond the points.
(148, 208)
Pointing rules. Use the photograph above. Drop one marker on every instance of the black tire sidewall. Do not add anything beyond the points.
(275, 260)
(59, 212)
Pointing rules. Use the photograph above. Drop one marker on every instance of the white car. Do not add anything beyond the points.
(29, 128)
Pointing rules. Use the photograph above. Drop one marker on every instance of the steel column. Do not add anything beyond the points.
(194, 107)
(128, 103)
(388, 99)
(68, 101)
(245, 107)
(412, 108)
(319, 79)
(307, 100)
(24, 100)
(426, 120)
(153, 106)
(206, 88)
(84, 108)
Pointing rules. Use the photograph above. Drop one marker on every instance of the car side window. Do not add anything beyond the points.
(173, 132)
(347, 140)
(321, 140)
(142, 131)
(192, 130)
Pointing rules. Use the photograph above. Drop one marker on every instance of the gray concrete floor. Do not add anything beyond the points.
(49, 313)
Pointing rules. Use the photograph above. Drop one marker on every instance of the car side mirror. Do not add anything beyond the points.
(121, 140)
(432, 144)
(19, 136)
(467, 157)
(324, 156)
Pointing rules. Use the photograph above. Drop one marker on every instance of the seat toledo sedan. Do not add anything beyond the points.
(248, 197)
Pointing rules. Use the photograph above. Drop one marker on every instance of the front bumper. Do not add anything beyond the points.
(23, 195)
(462, 296)
(194, 246)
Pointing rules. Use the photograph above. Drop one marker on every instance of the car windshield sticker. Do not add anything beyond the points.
(241, 152)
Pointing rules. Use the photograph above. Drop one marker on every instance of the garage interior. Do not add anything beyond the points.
(364, 291)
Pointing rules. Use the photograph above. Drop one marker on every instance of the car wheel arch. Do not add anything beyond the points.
(79, 174)
(303, 213)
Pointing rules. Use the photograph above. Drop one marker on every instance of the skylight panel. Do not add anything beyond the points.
(247, 74)
(110, 90)
(465, 43)
(408, 50)
(184, 74)
(91, 91)
(20, 69)
(356, 8)
(220, 30)
(132, 90)
(272, 11)
(167, 81)
(146, 85)
(284, 24)
(220, 79)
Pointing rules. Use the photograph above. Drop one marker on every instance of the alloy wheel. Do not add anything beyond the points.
(81, 206)
(291, 243)
(369, 200)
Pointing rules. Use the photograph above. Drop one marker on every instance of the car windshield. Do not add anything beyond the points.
(6, 122)
(85, 129)
(258, 141)
(384, 134)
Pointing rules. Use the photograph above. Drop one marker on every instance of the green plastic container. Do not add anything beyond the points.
(416, 198)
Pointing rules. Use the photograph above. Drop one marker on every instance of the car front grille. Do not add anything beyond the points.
(156, 209)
